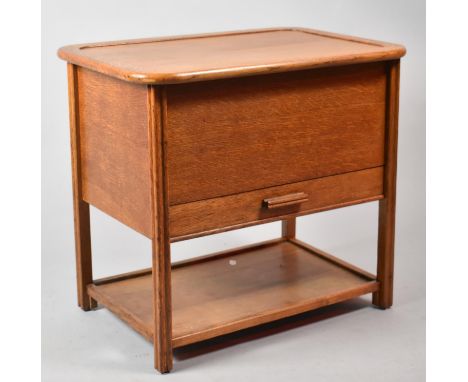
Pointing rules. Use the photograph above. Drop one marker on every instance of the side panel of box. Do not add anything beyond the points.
(113, 128)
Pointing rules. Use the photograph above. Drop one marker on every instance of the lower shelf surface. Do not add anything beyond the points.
(236, 290)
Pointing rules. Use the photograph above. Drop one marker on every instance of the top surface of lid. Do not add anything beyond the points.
(223, 55)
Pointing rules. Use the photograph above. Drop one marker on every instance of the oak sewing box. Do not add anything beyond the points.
(180, 137)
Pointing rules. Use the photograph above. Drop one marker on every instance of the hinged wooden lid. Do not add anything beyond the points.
(223, 55)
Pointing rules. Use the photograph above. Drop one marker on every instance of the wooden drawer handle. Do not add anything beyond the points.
(286, 200)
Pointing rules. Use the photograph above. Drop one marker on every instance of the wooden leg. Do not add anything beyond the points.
(162, 310)
(84, 272)
(288, 228)
(386, 237)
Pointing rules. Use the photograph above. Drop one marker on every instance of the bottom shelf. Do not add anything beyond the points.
(236, 289)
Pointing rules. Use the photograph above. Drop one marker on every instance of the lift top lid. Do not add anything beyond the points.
(224, 55)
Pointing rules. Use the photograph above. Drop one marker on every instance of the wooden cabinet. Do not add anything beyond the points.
(193, 135)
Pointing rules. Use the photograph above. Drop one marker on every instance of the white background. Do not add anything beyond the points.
(89, 346)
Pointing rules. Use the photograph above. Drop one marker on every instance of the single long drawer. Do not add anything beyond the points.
(217, 214)
(238, 135)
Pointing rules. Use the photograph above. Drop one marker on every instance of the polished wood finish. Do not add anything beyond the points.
(84, 269)
(232, 136)
(288, 228)
(181, 137)
(223, 55)
(387, 206)
(161, 274)
(114, 148)
(235, 211)
(129, 316)
(115, 156)
(286, 200)
(123, 276)
(333, 259)
(233, 291)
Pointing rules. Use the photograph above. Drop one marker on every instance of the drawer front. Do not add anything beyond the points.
(231, 136)
(217, 214)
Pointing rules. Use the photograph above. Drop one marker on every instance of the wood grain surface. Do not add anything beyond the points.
(81, 216)
(232, 292)
(161, 249)
(288, 228)
(202, 217)
(387, 206)
(231, 136)
(229, 54)
(114, 148)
